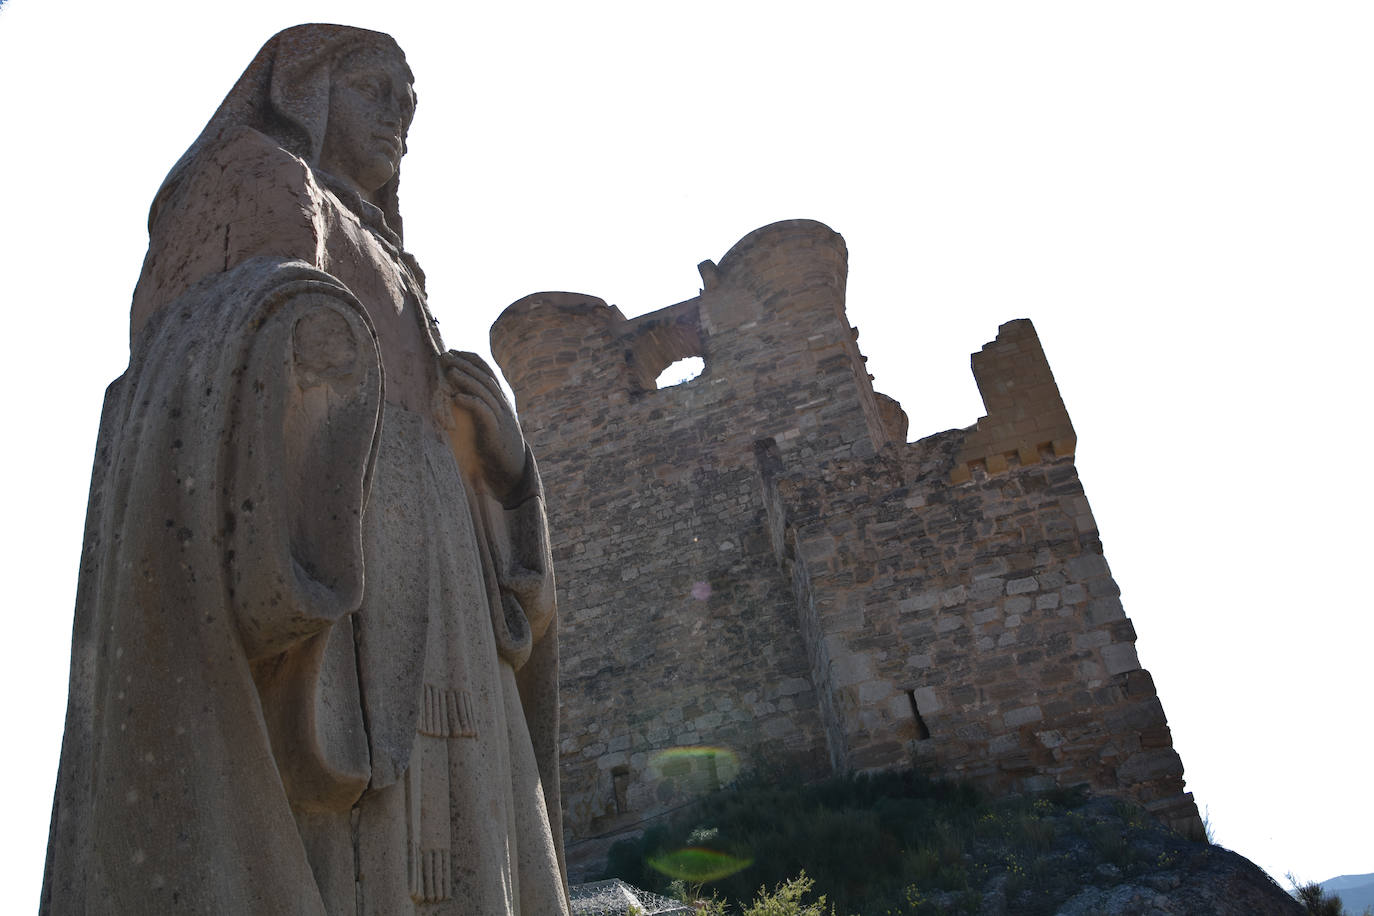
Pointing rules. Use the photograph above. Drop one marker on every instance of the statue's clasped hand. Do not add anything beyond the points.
(498, 441)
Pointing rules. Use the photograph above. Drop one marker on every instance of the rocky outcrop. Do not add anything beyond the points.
(1108, 859)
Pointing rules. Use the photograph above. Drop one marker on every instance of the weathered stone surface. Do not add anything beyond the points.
(314, 659)
(961, 574)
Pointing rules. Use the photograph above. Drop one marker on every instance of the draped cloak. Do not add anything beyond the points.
(314, 667)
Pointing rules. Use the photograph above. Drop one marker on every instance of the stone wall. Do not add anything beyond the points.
(754, 566)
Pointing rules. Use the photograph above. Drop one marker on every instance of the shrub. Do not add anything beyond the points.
(1314, 898)
(786, 900)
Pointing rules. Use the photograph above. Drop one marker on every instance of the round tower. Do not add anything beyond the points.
(788, 257)
(552, 346)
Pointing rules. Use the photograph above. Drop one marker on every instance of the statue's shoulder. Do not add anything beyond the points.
(238, 195)
(220, 175)
(240, 151)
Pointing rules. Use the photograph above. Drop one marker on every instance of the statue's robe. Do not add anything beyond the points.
(314, 667)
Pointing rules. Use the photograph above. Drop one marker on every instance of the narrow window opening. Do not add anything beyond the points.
(922, 731)
(684, 370)
(712, 775)
(620, 780)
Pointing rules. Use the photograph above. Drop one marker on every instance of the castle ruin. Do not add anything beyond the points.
(757, 560)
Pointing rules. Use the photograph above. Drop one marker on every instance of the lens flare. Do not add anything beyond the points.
(698, 866)
(718, 764)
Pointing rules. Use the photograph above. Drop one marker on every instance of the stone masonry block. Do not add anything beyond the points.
(1103, 610)
(1025, 714)
(922, 601)
(899, 707)
(986, 589)
(927, 700)
(1094, 640)
(1119, 658)
(873, 692)
(1150, 764)
(1087, 566)
(850, 668)
(989, 568)
(1004, 744)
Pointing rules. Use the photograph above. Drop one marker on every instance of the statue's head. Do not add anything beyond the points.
(339, 97)
(371, 103)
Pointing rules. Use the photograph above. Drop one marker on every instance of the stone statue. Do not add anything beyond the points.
(314, 667)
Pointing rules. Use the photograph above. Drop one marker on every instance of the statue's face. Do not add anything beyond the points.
(371, 103)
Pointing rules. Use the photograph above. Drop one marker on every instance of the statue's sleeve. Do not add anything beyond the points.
(305, 419)
(304, 434)
(529, 576)
(530, 581)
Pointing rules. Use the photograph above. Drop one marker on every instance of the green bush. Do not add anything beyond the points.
(863, 842)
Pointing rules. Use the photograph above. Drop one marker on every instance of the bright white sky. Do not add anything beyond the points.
(1179, 194)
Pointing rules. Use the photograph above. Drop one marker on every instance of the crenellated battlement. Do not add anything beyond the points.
(756, 560)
